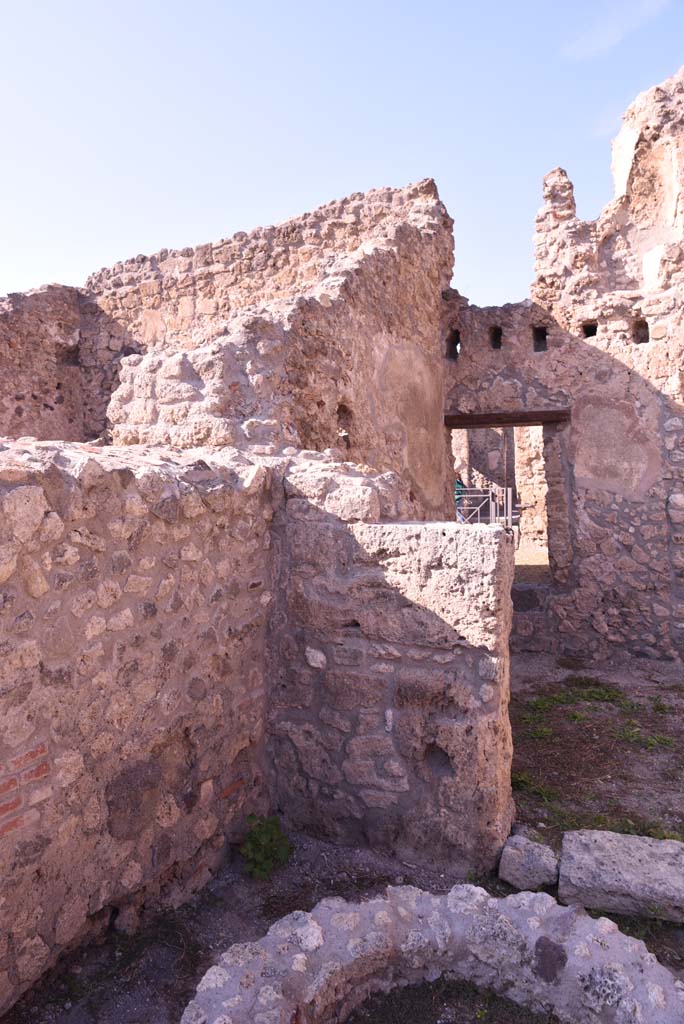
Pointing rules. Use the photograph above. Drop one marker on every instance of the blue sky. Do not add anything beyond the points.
(132, 126)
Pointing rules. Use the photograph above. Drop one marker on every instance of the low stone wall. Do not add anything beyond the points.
(159, 608)
(134, 590)
(316, 968)
(390, 708)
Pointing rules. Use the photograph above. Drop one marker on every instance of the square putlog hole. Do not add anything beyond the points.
(496, 337)
(640, 332)
(540, 339)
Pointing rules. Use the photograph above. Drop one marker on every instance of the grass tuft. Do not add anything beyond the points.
(523, 782)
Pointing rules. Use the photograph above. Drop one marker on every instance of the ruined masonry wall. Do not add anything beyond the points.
(611, 493)
(389, 716)
(134, 591)
(182, 298)
(40, 381)
(322, 332)
(334, 374)
(189, 637)
(610, 294)
(300, 335)
(530, 475)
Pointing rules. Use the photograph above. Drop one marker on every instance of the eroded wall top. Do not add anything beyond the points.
(636, 244)
(603, 338)
(320, 332)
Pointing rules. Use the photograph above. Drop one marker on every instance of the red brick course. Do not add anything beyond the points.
(12, 824)
(27, 758)
(7, 806)
(233, 788)
(39, 771)
(30, 769)
(8, 785)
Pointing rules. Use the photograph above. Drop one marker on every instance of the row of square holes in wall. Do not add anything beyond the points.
(540, 337)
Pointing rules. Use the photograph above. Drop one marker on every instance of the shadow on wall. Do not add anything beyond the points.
(389, 702)
(40, 383)
(376, 651)
(104, 342)
(615, 504)
(491, 457)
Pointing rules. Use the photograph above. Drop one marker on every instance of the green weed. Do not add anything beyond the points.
(580, 693)
(524, 783)
(630, 733)
(657, 739)
(265, 848)
(570, 821)
(569, 661)
(633, 733)
(541, 732)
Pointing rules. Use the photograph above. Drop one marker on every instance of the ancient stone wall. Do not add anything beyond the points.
(173, 660)
(490, 459)
(603, 336)
(324, 331)
(40, 381)
(133, 600)
(192, 633)
(390, 708)
(530, 476)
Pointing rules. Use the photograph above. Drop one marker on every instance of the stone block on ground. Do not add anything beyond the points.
(622, 873)
(528, 865)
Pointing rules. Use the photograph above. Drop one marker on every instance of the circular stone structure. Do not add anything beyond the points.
(315, 968)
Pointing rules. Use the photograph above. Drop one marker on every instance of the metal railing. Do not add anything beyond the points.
(486, 505)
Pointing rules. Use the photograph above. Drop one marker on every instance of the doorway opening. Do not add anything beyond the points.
(522, 453)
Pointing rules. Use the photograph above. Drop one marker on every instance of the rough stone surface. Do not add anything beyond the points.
(133, 612)
(614, 473)
(527, 864)
(622, 873)
(178, 654)
(41, 390)
(391, 692)
(189, 633)
(316, 968)
(531, 487)
(194, 633)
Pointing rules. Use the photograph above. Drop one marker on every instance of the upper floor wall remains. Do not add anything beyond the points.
(321, 332)
(602, 336)
(329, 332)
(636, 246)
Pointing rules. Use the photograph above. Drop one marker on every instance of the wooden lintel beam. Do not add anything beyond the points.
(522, 418)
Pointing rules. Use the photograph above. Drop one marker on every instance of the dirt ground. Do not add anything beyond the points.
(148, 978)
(601, 746)
(597, 746)
(444, 1002)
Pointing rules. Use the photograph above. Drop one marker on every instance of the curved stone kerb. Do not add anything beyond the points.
(316, 968)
